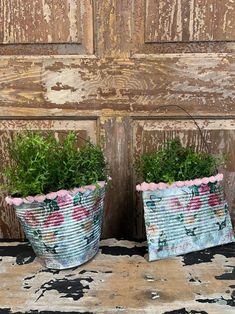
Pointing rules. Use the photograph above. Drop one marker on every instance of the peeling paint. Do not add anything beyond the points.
(167, 22)
(48, 69)
(114, 282)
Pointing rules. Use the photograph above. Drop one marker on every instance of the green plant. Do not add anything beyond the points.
(40, 164)
(173, 162)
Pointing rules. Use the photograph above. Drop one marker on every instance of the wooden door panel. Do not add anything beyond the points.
(27, 21)
(189, 20)
(182, 26)
(86, 129)
(149, 135)
(46, 25)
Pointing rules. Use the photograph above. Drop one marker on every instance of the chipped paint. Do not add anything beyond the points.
(167, 22)
(199, 81)
(48, 71)
(117, 282)
(46, 22)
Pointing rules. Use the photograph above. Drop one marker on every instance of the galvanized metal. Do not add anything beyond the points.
(185, 219)
(64, 232)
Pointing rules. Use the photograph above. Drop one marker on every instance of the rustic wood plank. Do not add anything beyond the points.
(113, 25)
(202, 83)
(194, 20)
(212, 20)
(115, 134)
(119, 279)
(164, 20)
(116, 87)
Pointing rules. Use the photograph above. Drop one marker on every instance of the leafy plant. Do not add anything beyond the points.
(40, 164)
(173, 162)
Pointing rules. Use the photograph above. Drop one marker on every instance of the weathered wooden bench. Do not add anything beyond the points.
(119, 280)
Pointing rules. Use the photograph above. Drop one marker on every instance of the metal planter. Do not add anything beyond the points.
(186, 218)
(65, 231)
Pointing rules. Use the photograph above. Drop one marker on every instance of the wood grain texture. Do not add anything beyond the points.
(45, 27)
(193, 20)
(115, 134)
(86, 129)
(42, 21)
(149, 135)
(202, 83)
(140, 43)
(113, 25)
(119, 280)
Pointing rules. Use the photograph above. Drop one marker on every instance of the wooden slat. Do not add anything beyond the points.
(119, 280)
(115, 134)
(113, 24)
(204, 83)
(212, 20)
(189, 20)
(164, 20)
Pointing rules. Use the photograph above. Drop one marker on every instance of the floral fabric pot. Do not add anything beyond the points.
(63, 228)
(185, 217)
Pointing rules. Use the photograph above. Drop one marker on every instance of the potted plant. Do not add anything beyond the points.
(58, 193)
(184, 205)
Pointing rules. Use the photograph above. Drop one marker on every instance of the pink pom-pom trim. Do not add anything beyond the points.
(17, 201)
(51, 196)
(40, 198)
(161, 186)
(8, 200)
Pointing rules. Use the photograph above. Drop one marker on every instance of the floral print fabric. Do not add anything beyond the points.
(65, 231)
(185, 219)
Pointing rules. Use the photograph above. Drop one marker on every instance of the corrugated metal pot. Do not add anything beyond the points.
(185, 219)
(64, 232)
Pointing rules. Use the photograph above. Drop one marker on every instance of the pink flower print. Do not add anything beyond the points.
(79, 213)
(204, 188)
(30, 219)
(64, 200)
(194, 204)
(214, 200)
(54, 220)
(175, 204)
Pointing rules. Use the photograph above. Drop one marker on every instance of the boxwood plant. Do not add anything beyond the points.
(174, 162)
(40, 164)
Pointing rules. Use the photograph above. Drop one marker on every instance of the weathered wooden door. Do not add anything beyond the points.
(104, 68)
